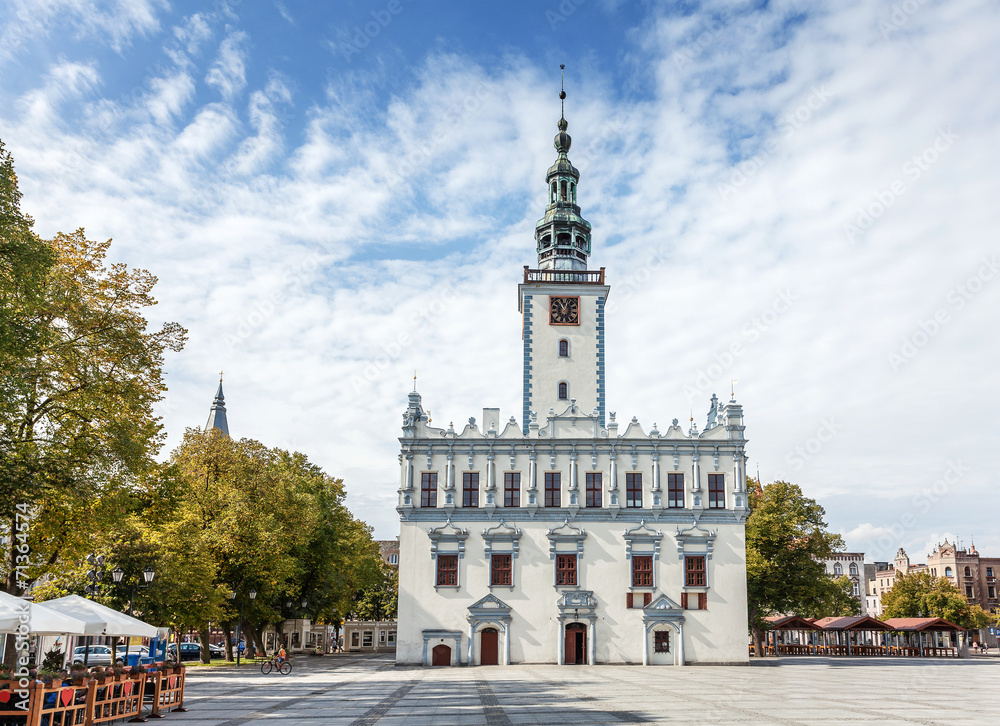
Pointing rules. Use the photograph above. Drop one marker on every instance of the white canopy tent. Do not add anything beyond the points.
(41, 620)
(100, 620)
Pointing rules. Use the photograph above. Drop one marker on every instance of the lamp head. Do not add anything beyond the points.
(117, 574)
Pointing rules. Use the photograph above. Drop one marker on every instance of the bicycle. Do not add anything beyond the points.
(283, 667)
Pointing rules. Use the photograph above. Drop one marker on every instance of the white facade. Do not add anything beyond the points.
(852, 566)
(564, 539)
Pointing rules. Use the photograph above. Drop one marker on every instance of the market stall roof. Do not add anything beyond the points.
(853, 622)
(40, 620)
(913, 625)
(101, 620)
(789, 622)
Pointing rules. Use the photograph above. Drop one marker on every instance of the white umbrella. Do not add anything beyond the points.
(16, 612)
(100, 620)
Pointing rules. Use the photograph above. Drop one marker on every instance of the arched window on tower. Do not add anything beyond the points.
(552, 197)
(968, 572)
(563, 390)
(546, 241)
(838, 569)
(563, 348)
(562, 190)
(572, 192)
(947, 572)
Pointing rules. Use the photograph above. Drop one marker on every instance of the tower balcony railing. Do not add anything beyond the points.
(576, 277)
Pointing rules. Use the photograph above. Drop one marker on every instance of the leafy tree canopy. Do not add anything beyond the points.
(921, 595)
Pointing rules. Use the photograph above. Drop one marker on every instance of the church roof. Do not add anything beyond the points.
(217, 414)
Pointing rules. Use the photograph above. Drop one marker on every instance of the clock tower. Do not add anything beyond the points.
(562, 304)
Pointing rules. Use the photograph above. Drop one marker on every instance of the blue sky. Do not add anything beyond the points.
(799, 195)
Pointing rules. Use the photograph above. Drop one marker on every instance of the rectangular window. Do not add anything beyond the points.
(642, 570)
(661, 641)
(500, 570)
(633, 490)
(565, 569)
(429, 489)
(366, 640)
(694, 571)
(968, 590)
(392, 636)
(675, 491)
(989, 572)
(447, 570)
(381, 636)
(470, 489)
(716, 491)
(700, 604)
(512, 489)
(553, 489)
(993, 593)
(355, 639)
(631, 601)
(594, 488)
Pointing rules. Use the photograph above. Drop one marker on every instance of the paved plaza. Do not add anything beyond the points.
(370, 689)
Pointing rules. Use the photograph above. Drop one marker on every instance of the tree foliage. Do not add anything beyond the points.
(921, 595)
(787, 542)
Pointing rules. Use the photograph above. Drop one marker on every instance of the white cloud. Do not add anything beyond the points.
(228, 72)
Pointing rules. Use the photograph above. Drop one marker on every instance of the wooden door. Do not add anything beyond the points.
(441, 655)
(488, 649)
(576, 644)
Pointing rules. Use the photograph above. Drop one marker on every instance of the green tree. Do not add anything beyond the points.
(378, 599)
(787, 542)
(920, 595)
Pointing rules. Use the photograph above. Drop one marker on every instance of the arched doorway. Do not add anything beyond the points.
(576, 644)
(489, 651)
(441, 655)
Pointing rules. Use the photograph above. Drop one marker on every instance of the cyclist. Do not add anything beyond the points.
(281, 657)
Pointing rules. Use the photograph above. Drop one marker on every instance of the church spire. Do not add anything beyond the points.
(562, 236)
(217, 414)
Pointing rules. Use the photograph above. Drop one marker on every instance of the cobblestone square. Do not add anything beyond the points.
(362, 690)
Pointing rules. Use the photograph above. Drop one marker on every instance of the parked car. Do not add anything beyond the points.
(96, 654)
(192, 651)
(142, 650)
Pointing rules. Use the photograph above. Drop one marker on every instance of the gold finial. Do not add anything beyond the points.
(732, 389)
(562, 90)
(220, 376)
(414, 381)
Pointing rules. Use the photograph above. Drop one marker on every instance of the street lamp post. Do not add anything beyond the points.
(147, 575)
(95, 574)
(239, 624)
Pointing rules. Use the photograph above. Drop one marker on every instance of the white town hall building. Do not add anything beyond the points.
(570, 537)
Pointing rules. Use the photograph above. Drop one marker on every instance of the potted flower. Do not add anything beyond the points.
(176, 665)
(99, 674)
(6, 673)
(119, 670)
(136, 671)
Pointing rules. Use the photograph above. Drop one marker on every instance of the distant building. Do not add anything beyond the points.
(850, 565)
(389, 550)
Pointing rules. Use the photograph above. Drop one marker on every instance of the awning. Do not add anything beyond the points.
(16, 612)
(101, 620)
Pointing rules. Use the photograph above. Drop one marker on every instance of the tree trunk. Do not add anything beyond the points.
(758, 641)
(206, 654)
(227, 628)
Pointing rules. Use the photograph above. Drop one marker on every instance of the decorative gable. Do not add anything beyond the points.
(566, 538)
(447, 539)
(642, 539)
(695, 540)
(503, 537)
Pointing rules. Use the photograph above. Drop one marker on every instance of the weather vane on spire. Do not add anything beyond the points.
(220, 376)
(414, 380)
(562, 90)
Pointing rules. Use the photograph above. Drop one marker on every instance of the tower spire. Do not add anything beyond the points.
(217, 414)
(562, 236)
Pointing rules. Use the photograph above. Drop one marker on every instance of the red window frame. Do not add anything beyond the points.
(447, 570)
(565, 569)
(633, 490)
(470, 489)
(594, 489)
(429, 489)
(675, 490)
(694, 571)
(716, 491)
(642, 570)
(512, 489)
(501, 570)
(553, 489)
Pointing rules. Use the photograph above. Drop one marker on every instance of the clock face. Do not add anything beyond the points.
(564, 310)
